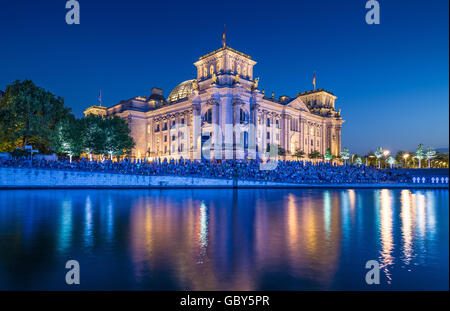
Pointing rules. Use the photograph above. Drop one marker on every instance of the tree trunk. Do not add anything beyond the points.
(70, 157)
(420, 162)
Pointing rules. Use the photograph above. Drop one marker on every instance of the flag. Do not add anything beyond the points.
(314, 80)
(223, 37)
(100, 98)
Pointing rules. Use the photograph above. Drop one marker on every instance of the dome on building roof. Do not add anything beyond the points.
(182, 90)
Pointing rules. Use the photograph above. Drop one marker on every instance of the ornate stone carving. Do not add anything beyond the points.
(255, 84)
(214, 79)
(212, 102)
(236, 101)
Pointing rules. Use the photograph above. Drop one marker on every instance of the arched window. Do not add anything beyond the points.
(211, 69)
(207, 117)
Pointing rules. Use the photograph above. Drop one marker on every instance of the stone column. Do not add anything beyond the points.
(196, 132)
(216, 141)
(253, 128)
(238, 135)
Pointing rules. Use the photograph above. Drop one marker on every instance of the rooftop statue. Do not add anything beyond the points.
(255, 83)
(214, 78)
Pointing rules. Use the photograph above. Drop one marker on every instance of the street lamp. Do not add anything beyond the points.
(405, 156)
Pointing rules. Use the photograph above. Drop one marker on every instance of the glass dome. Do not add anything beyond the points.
(182, 90)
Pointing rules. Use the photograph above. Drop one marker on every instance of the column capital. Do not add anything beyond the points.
(237, 101)
(212, 102)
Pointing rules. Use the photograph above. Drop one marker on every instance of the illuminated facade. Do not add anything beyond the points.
(222, 114)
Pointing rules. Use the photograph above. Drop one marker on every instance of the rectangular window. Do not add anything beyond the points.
(165, 138)
(268, 122)
(165, 126)
(181, 147)
(157, 128)
(268, 135)
(173, 137)
(182, 120)
(277, 122)
(173, 123)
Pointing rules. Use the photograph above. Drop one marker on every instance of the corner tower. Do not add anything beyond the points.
(225, 63)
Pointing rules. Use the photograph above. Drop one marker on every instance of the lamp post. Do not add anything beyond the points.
(405, 156)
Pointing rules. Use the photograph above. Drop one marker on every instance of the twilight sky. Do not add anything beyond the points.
(392, 79)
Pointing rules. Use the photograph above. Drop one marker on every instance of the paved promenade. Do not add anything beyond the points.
(32, 178)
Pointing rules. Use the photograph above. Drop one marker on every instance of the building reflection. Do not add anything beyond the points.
(387, 240)
(407, 215)
(224, 240)
(194, 239)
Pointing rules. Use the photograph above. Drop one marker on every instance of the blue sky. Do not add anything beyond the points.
(391, 79)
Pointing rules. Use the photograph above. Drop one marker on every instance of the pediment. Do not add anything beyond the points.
(298, 104)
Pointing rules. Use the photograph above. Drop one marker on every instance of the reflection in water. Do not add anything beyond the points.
(88, 236)
(110, 219)
(407, 217)
(226, 240)
(327, 211)
(65, 231)
(387, 242)
(203, 234)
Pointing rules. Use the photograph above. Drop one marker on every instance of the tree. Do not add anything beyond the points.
(315, 155)
(420, 154)
(299, 154)
(358, 161)
(379, 154)
(345, 155)
(430, 154)
(94, 136)
(328, 156)
(28, 115)
(281, 151)
(117, 137)
(391, 161)
(68, 137)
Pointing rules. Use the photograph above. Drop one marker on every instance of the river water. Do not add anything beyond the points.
(224, 239)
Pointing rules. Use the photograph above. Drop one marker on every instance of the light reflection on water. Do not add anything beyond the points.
(224, 239)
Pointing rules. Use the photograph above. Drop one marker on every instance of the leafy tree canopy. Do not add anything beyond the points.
(28, 116)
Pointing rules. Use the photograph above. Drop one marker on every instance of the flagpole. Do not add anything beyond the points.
(223, 37)
(314, 80)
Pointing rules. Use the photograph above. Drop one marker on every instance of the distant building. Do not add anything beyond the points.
(225, 96)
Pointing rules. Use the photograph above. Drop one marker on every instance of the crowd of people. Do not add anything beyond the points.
(283, 171)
